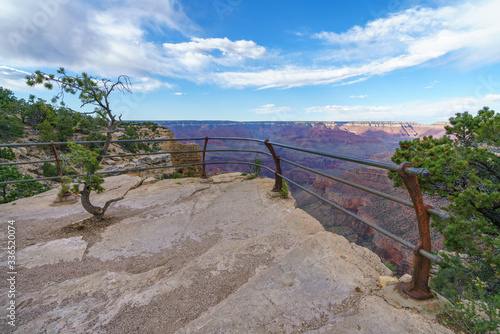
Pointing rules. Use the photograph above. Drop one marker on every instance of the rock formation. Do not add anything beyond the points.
(184, 256)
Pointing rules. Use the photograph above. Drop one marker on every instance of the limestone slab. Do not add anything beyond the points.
(52, 252)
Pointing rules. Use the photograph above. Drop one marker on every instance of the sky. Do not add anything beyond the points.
(274, 60)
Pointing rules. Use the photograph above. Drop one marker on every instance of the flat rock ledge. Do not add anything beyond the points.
(184, 256)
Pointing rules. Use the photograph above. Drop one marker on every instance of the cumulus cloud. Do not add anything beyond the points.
(413, 37)
(112, 38)
(440, 110)
(201, 52)
(109, 38)
(270, 109)
(147, 84)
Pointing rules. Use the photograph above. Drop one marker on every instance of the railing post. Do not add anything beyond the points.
(57, 158)
(418, 287)
(277, 179)
(203, 173)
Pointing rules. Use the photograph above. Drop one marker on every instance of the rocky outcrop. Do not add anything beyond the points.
(182, 256)
(402, 129)
(148, 161)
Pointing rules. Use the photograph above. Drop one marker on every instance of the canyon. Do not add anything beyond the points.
(368, 140)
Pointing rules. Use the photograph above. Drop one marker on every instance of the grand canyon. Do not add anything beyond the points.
(369, 140)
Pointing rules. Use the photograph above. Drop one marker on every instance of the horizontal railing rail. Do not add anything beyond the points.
(417, 288)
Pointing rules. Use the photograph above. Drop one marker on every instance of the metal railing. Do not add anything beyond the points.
(417, 288)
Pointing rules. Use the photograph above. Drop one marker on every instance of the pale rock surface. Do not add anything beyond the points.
(149, 180)
(194, 257)
(52, 252)
(405, 278)
(384, 281)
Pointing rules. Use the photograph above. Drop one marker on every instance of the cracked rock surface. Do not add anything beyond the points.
(182, 256)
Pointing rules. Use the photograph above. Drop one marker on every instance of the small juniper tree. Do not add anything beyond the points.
(88, 160)
(91, 91)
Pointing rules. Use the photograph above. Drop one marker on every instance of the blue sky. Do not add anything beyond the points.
(396, 60)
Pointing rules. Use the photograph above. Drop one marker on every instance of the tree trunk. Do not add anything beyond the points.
(96, 211)
(105, 148)
(491, 214)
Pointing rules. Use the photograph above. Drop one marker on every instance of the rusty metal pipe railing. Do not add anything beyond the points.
(203, 172)
(277, 178)
(53, 178)
(54, 151)
(26, 162)
(102, 142)
(407, 244)
(440, 214)
(414, 171)
(418, 287)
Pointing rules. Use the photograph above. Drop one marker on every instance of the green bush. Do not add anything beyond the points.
(389, 265)
(131, 134)
(7, 153)
(175, 175)
(255, 169)
(95, 137)
(475, 312)
(50, 170)
(64, 186)
(12, 192)
(284, 189)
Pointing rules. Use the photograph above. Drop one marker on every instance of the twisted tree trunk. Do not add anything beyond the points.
(96, 211)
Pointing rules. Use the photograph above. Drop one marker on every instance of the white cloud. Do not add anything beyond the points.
(110, 38)
(106, 39)
(358, 96)
(416, 110)
(201, 52)
(113, 38)
(406, 39)
(178, 93)
(14, 79)
(270, 109)
(147, 84)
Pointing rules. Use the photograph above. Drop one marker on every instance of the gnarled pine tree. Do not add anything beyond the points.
(91, 91)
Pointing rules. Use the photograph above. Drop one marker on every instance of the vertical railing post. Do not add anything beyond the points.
(57, 158)
(203, 172)
(277, 179)
(418, 288)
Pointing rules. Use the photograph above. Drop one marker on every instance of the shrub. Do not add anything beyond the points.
(64, 186)
(255, 169)
(475, 312)
(284, 189)
(9, 193)
(175, 175)
(7, 153)
(50, 170)
(389, 265)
